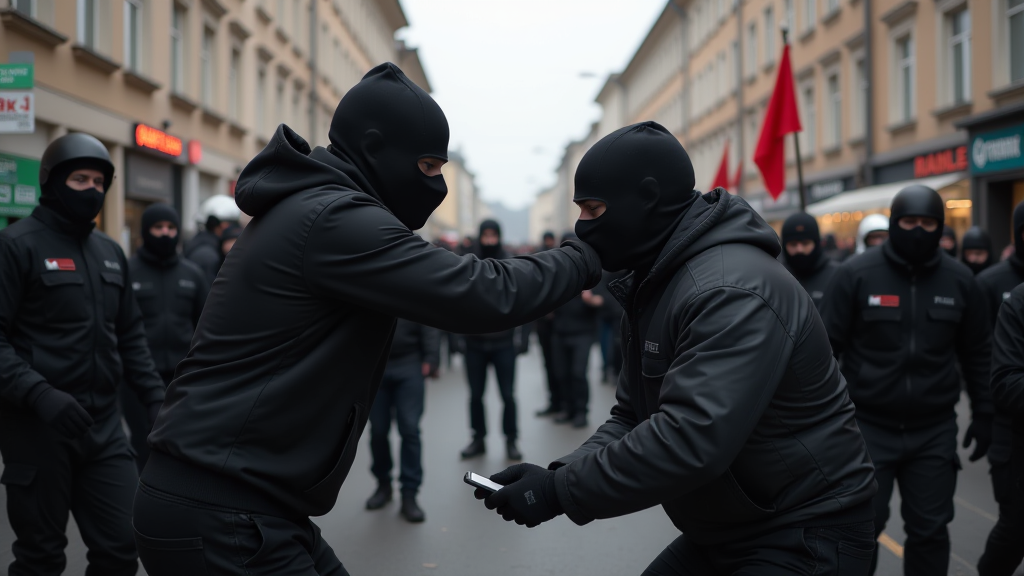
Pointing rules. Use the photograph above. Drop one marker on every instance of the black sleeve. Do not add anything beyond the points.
(17, 378)
(974, 350)
(139, 369)
(838, 308)
(1008, 356)
(359, 252)
(430, 345)
(199, 301)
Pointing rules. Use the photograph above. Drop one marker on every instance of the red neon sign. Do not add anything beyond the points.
(195, 152)
(155, 139)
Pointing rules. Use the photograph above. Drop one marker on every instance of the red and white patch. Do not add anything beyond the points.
(60, 264)
(885, 301)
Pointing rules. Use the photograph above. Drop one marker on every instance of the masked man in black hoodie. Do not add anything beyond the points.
(899, 318)
(801, 248)
(264, 415)
(1003, 551)
(732, 413)
(976, 249)
(171, 292)
(70, 333)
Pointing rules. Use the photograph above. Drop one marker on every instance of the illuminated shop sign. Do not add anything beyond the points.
(156, 139)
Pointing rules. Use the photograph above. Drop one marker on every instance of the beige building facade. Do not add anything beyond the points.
(889, 92)
(215, 76)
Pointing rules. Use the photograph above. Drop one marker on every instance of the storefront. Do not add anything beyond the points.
(996, 146)
(152, 174)
(775, 211)
(19, 188)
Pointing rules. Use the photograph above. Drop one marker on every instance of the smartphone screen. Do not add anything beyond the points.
(481, 482)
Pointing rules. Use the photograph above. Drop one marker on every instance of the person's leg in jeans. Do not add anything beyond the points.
(927, 484)
(579, 360)
(561, 368)
(476, 374)
(544, 334)
(504, 360)
(885, 449)
(409, 394)
(380, 427)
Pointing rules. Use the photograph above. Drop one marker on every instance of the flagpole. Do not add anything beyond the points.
(796, 143)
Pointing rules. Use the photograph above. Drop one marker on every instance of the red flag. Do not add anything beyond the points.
(722, 176)
(780, 118)
(739, 175)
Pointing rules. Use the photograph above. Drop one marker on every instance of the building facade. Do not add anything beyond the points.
(184, 92)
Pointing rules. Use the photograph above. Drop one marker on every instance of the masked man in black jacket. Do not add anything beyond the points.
(171, 292)
(1003, 551)
(976, 249)
(801, 248)
(70, 331)
(264, 414)
(899, 317)
(732, 413)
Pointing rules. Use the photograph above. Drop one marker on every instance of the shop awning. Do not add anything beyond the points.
(877, 197)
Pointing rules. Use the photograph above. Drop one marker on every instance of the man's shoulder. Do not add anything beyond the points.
(22, 229)
(738, 265)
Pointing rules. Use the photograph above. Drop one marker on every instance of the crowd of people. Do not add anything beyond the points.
(768, 396)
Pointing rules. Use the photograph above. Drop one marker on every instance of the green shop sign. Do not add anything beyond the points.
(19, 186)
(998, 150)
(16, 76)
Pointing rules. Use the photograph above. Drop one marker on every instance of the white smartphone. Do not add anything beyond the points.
(481, 482)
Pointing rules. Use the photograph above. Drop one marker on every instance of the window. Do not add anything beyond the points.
(297, 111)
(1015, 16)
(809, 120)
(234, 81)
(810, 12)
(179, 20)
(859, 97)
(769, 36)
(133, 34)
(261, 111)
(905, 79)
(723, 75)
(207, 63)
(959, 26)
(833, 111)
(279, 103)
(296, 20)
(87, 23)
(831, 6)
(734, 71)
(788, 16)
(26, 7)
(751, 49)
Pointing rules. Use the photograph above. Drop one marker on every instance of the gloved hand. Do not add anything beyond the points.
(528, 497)
(153, 410)
(590, 257)
(980, 431)
(62, 412)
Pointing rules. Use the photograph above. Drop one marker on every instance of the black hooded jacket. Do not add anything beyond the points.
(899, 332)
(1008, 362)
(266, 410)
(738, 421)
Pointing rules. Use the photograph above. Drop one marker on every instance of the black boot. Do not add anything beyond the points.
(564, 418)
(380, 498)
(475, 448)
(549, 411)
(579, 421)
(512, 451)
(411, 511)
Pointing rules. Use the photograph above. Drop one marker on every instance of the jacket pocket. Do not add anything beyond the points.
(113, 285)
(944, 315)
(722, 501)
(882, 314)
(18, 475)
(64, 298)
(326, 491)
(171, 556)
(882, 328)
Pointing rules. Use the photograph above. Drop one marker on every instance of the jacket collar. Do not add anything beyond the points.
(897, 261)
(62, 225)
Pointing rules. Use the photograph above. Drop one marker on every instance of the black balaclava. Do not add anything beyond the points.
(916, 246)
(77, 206)
(490, 251)
(645, 179)
(1018, 229)
(162, 247)
(976, 239)
(801, 226)
(950, 233)
(385, 125)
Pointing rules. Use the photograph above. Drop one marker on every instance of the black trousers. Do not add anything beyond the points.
(925, 463)
(503, 358)
(47, 476)
(136, 416)
(177, 536)
(834, 550)
(571, 359)
(544, 334)
(1004, 549)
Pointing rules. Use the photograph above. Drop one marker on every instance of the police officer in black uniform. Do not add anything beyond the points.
(1003, 551)
(899, 317)
(171, 292)
(69, 330)
(803, 256)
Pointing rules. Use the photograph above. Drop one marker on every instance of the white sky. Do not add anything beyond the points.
(508, 76)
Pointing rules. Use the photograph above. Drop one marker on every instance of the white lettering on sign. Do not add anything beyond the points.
(997, 150)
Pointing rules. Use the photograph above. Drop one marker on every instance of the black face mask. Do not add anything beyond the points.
(916, 246)
(645, 179)
(975, 268)
(385, 125)
(803, 264)
(78, 206)
(802, 226)
(162, 247)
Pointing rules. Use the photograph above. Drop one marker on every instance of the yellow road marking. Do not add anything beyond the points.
(891, 544)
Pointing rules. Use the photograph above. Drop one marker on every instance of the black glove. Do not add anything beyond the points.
(980, 431)
(154, 411)
(528, 497)
(62, 412)
(590, 258)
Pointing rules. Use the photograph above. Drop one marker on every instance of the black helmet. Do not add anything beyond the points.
(75, 146)
(918, 200)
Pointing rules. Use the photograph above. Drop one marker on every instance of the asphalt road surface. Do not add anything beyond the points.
(462, 538)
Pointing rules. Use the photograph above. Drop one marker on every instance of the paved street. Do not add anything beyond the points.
(462, 538)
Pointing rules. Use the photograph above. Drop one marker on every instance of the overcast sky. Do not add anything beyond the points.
(510, 78)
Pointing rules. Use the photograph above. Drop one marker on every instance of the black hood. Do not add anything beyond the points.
(802, 226)
(976, 239)
(287, 166)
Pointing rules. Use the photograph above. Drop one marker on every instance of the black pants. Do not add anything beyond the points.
(47, 476)
(834, 550)
(925, 463)
(177, 536)
(400, 399)
(571, 358)
(503, 358)
(1005, 547)
(136, 416)
(544, 337)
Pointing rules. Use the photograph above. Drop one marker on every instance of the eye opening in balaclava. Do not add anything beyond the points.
(645, 179)
(801, 226)
(385, 125)
(162, 247)
(916, 245)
